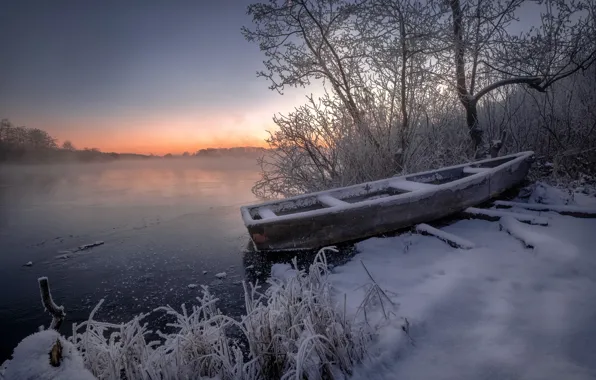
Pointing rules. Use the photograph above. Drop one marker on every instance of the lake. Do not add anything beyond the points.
(163, 223)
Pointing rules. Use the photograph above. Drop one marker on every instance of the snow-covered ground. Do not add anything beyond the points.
(496, 311)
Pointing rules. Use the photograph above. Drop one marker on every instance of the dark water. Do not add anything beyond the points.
(163, 223)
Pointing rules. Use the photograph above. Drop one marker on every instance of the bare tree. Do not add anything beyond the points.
(372, 55)
(485, 49)
(388, 67)
(397, 38)
(68, 145)
(310, 39)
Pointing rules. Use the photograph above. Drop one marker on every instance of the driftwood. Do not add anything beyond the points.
(56, 354)
(91, 245)
(577, 211)
(494, 215)
(452, 240)
(515, 229)
(58, 315)
(56, 311)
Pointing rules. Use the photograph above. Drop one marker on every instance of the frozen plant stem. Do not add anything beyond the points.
(56, 311)
(375, 289)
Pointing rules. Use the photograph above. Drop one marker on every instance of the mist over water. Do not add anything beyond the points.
(163, 222)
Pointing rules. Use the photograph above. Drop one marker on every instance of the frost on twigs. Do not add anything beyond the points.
(291, 330)
(299, 332)
(375, 296)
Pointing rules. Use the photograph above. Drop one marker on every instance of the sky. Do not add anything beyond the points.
(136, 76)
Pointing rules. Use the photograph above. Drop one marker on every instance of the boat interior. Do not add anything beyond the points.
(373, 190)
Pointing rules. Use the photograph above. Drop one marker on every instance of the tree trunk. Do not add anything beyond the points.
(403, 83)
(476, 133)
(468, 101)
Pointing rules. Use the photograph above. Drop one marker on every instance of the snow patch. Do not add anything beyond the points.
(494, 311)
(31, 360)
(282, 271)
(545, 194)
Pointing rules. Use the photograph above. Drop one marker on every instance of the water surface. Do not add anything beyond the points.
(164, 222)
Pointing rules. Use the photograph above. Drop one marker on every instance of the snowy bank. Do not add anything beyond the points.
(499, 310)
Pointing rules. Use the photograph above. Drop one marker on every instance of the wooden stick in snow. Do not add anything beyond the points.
(494, 215)
(577, 211)
(452, 240)
(56, 311)
(516, 229)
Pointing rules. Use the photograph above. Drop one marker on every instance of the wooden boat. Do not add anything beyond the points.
(329, 217)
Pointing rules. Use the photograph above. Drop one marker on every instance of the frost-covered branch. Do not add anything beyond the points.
(56, 311)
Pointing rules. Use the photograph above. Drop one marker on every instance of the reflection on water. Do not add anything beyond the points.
(164, 222)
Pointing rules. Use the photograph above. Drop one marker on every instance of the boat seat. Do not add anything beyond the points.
(406, 185)
(330, 201)
(266, 213)
(474, 170)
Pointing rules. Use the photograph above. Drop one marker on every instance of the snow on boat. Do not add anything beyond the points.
(315, 220)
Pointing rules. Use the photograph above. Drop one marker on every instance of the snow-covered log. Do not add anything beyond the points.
(516, 229)
(452, 240)
(494, 215)
(577, 211)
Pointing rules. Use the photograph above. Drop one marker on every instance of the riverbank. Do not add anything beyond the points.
(418, 308)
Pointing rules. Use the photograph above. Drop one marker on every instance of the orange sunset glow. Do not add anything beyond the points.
(164, 136)
(161, 131)
(142, 89)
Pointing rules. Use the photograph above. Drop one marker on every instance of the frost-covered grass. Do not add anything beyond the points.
(293, 330)
(299, 331)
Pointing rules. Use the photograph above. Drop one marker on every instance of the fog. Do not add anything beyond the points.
(163, 221)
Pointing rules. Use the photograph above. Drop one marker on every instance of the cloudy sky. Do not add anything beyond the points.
(137, 76)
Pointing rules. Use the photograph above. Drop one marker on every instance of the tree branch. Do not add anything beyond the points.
(534, 82)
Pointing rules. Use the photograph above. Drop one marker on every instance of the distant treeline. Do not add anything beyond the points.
(223, 152)
(22, 144)
(33, 145)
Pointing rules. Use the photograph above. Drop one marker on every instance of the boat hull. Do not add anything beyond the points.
(374, 218)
